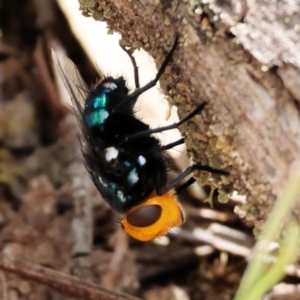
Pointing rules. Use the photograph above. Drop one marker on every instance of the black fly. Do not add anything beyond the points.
(127, 164)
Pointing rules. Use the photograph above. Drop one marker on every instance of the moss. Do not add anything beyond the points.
(209, 199)
(223, 197)
(98, 16)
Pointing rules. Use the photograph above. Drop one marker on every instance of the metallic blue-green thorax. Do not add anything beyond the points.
(96, 110)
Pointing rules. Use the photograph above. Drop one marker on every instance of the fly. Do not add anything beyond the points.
(127, 164)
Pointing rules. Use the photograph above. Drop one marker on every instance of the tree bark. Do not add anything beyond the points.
(244, 58)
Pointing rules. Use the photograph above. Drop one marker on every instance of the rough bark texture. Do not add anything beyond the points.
(241, 56)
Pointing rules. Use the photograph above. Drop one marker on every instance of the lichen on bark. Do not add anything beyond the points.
(251, 125)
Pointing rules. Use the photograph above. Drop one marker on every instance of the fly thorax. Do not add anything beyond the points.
(95, 110)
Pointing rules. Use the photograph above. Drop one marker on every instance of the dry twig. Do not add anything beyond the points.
(65, 284)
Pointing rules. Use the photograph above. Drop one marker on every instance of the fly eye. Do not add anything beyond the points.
(144, 216)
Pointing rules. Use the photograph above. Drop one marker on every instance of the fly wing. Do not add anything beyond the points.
(73, 82)
(78, 92)
(76, 82)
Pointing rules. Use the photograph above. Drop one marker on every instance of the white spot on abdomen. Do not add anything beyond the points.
(111, 153)
(133, 177)
(120, 196)
(101, 181)
(141, 160)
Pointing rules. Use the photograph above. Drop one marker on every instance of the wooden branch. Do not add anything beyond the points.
(233, 56)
